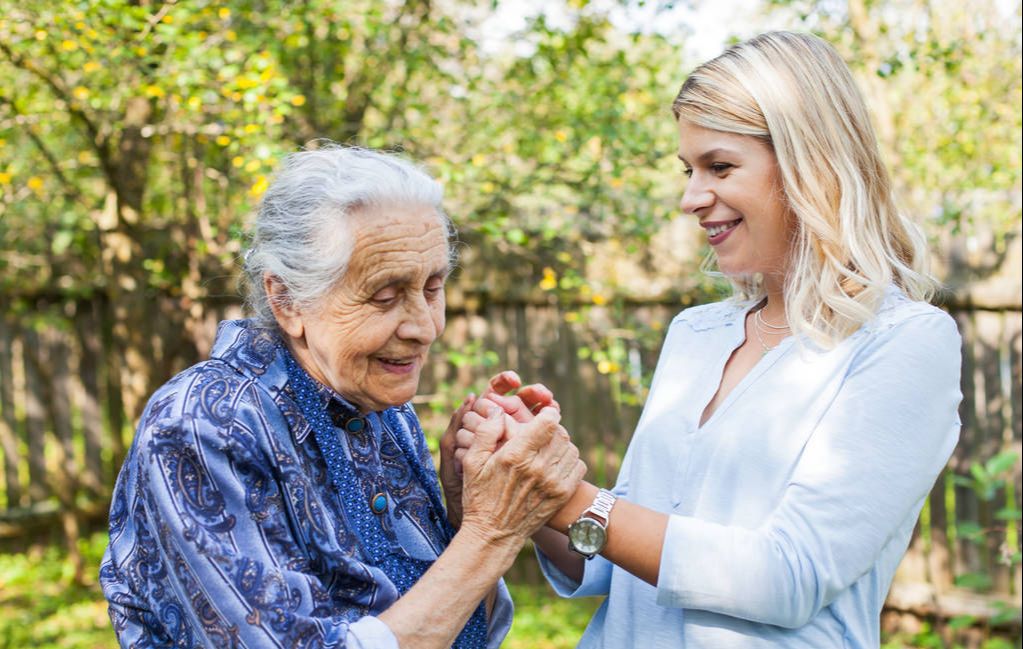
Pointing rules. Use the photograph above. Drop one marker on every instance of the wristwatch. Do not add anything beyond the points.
(588, 534)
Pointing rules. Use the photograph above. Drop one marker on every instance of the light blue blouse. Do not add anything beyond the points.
(792, 506)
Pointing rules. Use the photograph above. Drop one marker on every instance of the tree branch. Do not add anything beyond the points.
(99, 142)
(70, 190)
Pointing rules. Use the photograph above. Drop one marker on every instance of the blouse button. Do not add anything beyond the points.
(355, 425)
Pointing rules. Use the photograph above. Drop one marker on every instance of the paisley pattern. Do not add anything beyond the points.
(225, 530)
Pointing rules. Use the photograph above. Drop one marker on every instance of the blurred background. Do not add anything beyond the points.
(137, 136)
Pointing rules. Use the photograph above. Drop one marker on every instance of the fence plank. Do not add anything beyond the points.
(90, 354)
(35, 418)
(8, 423)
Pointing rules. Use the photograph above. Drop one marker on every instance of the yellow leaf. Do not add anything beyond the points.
(223, 140)
(91, 66)
(237, 161)
(5, 178)
(550, 279)
(224, 13)
(253, 165)
(40, 35)
(298, 100)
(153, 91)
(599, 299)
(194, 103)
(604, 367)
(230, 35)
(140, 51)
(277, 119)
(479, 160)
(251, 128)
(35, 183)
(560, 135)
(81, 93)
(259, 186)
(168, 19)
(68, 46)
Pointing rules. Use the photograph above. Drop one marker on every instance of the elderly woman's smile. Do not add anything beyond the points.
(369, 338)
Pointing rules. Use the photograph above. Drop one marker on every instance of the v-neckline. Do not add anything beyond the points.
(766, 360)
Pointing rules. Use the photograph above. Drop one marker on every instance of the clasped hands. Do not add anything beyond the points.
(505, 470)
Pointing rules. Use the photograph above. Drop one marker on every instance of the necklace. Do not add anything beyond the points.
(403, 571)
(758, 322)
(767, 325)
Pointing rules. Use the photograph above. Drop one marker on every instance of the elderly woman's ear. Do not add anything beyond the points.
(288, 317)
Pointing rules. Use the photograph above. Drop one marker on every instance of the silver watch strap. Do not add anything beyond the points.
(602, 505)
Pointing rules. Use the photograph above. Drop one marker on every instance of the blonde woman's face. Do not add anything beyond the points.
(735, 191)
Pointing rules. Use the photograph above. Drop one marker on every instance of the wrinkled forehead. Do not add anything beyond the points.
(414, 237)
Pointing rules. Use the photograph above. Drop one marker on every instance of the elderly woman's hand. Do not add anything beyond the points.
(520, 407)
(511, 491)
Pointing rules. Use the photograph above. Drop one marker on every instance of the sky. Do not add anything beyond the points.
(702, 27)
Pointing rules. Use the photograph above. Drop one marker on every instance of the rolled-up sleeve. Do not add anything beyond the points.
(864, 472)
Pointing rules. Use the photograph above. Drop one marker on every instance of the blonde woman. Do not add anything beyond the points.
(793, 431)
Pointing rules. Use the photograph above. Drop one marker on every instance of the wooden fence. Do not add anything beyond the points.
(64, 431)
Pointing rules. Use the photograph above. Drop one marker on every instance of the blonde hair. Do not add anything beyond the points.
(794, 92)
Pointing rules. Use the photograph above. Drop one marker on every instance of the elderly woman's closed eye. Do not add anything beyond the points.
(281, 492)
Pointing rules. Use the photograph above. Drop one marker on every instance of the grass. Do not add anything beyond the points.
(43, 609)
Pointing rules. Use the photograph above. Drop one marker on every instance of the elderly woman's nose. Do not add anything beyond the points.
(419, 322)
(696, 197)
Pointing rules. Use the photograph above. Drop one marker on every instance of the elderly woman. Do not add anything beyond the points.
(281, 492)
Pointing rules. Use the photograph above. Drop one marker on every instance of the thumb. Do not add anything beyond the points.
(489, 433)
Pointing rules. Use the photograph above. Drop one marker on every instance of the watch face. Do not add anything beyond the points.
(587, 536)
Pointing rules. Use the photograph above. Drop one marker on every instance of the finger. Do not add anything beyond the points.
(472, 420)
(489, 432)
(505, 382)
(536, 396)
(456, 417)
(513, 406)
(536, 434)
(463, 438)
(460, 454)
(483, 405)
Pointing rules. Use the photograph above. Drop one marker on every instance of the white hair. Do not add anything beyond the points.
(301, 233)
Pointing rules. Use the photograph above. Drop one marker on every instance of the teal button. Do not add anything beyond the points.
(355, 425)
(378, 503)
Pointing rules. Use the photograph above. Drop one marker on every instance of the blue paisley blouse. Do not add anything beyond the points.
(225, 529)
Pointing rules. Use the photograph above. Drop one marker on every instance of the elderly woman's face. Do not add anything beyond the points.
(370, 337)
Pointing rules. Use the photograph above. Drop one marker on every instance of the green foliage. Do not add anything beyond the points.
(42, 606)
(43, 609)
(545, 621)
(944, 84)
